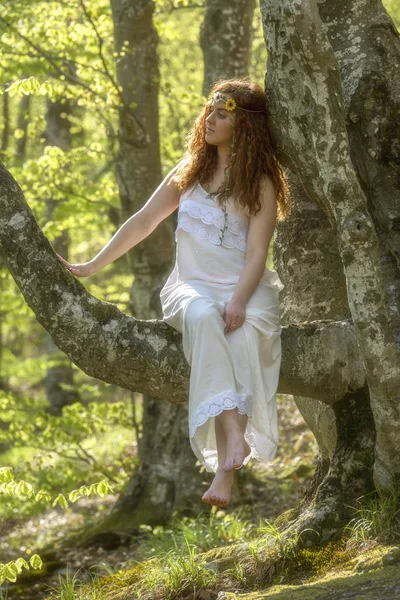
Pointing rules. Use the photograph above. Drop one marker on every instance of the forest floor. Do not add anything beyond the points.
(269, 491)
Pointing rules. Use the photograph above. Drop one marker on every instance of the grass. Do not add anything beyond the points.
(174, 565)
(228, 548)
(377, 518)
(71, 588)
(206, 532)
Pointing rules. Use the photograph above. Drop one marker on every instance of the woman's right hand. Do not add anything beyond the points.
(79, 270)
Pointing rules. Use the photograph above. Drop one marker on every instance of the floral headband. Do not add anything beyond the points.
(230, 104)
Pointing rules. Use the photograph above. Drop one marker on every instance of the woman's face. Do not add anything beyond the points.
(218, 127)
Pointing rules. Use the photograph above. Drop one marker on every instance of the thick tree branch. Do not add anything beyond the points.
(320, 359)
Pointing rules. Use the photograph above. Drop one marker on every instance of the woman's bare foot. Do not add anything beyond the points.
(236, 450)
(219, 492)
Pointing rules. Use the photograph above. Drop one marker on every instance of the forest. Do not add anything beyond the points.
(100, 492)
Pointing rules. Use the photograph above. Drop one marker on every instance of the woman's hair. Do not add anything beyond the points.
(255, 151)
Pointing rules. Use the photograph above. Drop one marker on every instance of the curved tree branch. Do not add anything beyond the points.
(319, 359)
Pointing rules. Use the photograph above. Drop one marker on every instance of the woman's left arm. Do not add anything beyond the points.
(261, 229)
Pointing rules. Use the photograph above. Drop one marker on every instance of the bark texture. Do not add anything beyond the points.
(367, 47)
(226, 37)
(59, 377)
(308, 117)
(307, 258)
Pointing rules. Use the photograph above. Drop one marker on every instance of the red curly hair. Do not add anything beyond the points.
(255, 150)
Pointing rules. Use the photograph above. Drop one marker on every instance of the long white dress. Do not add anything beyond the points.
(238, 369)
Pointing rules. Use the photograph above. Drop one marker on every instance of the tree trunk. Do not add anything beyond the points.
(307, 257)
(59, 377)
(156, 488)
(23, 120)
(226, 38)
(5, 134)
(368, 63)
(305, 92)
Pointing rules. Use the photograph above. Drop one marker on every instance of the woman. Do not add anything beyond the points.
(230, 189)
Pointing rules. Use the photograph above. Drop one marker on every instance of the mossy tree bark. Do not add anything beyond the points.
(330, 74)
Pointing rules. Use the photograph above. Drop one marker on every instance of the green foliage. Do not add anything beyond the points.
(11, 570)
(18, 489)
(10, 487)
(393, 9)
(65, 451)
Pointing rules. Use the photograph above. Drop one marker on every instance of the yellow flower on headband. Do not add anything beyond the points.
(217, 96)
(230, 103)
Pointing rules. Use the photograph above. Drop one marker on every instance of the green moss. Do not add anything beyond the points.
(219, 553)
(378, 585)
(127, 578)
(313, 563)
(287, 517)
(309, 574)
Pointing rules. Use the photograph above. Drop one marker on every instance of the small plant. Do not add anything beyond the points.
(74, 589)
(377, 518)
(237, 573)
(276, 543)
(67, 587)
(11, 570)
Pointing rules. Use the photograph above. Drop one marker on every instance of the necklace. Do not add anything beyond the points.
(212, 196)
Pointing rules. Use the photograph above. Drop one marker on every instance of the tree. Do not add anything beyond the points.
(328, 77)
(59, 377)
(155, 489)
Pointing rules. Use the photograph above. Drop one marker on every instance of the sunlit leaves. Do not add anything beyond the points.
(31, 85)
(11, 570)
(21, 488)
(10, 487)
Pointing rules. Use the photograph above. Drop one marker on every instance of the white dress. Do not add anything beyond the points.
(238, 369)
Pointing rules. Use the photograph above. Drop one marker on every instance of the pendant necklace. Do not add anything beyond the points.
(211, 196)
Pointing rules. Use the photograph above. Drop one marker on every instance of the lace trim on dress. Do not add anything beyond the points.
(215, 406)
(262, 447)
(208, 222)
(214, 215)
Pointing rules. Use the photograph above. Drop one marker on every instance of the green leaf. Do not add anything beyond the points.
(35, 561)
(61, 500)
(21, 562)
(11, 571)
(102, 488)
(5, 475)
